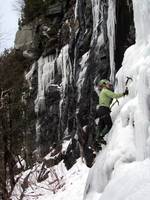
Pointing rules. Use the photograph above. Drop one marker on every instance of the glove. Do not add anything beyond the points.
(126, 92)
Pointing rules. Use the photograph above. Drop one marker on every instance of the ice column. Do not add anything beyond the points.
(63, 64)
(142, 25)
(111, 22)
(76, 9)
(96, 16)
(142, 20)
(82, 73)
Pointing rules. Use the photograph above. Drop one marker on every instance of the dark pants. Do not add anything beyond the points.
(105, 122)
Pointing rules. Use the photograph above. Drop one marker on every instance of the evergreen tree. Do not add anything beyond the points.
(32, 9)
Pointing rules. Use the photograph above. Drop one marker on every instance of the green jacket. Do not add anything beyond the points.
(106, 96)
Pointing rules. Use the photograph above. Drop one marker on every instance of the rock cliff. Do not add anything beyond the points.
(73, 44)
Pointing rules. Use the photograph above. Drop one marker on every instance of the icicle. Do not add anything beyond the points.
(76, 9)
(38, 132)
(96, 16)
(64, 66)
(82, 73)
(45, 77)
(63, 63)
(111, 22)
(29, 75)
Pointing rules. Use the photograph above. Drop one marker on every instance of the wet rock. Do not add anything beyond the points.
(54, 9)
(72, 154)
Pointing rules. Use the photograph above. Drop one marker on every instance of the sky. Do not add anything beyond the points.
(8, 23)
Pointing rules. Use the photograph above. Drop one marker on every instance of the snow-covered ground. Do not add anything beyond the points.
(60, 184)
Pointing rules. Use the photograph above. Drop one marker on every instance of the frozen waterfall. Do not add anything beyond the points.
(121, 170)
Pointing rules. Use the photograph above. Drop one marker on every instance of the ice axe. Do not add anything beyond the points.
(128, 78)
(126, 83)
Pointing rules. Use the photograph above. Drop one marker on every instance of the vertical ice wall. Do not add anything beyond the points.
(129, 139)
(136, 64)
(111, 23)
(142, 19)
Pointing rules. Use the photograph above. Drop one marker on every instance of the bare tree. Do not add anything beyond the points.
(6, 154)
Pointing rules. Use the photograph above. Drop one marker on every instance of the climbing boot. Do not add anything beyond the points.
(97, 146)
(102, 141)
(104, 132)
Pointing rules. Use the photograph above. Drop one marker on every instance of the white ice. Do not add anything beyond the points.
(121, 170)
(46, 71)
(111, 23)
(45, 76)
(96, 17)
(63, 63)
(82, 73)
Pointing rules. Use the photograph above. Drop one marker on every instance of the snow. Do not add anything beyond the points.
(76, 179)
(69, 184)
(133, 182)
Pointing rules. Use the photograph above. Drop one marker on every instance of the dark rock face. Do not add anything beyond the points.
(70, 97)
(55, 9)
(125, 32)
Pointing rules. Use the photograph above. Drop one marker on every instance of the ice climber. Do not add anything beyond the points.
(106, 96)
